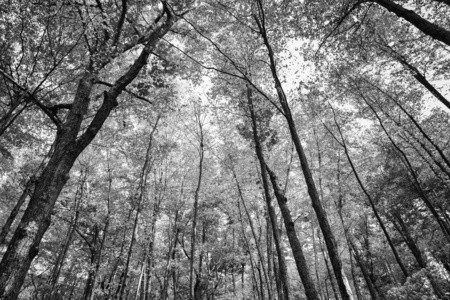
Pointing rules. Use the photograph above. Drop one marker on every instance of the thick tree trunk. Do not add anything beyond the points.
(68, 145)
(430, 29)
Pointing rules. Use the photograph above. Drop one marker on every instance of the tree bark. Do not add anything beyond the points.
(68, 145)
(329, 238)
(297, 250)
(430, 29)
(270, 209)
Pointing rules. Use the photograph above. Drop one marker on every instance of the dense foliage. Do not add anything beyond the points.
(224, 149)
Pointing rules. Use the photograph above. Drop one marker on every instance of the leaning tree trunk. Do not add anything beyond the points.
(270, 209)
(297, 250)
(369, 197)
(70, 141)
(324, 224)
(252, 227)
(12, 216)
(430, 29)
(444, 226)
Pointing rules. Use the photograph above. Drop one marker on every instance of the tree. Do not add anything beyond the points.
(67, 147)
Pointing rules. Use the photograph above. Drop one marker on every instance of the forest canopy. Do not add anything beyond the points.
(225, 149)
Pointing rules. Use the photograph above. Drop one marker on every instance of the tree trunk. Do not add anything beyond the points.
(68, 145)
(329, 272)
(430, 29)
(297, 250)
(195, 208)
(257, 244)
(329, 238)
(445, 228)
(12, 216)
(270, 209)
(369, 197)
(362, 266)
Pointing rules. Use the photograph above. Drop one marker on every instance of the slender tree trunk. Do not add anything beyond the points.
(424, 81)
(362, 266)
(270, 209)
(12, 216)
(17, 105)
(329, 272)
(324, 224)
(297, 250)
(247, 244)
(415, 122)
(142, 195)
(149, 259)
(252, 227)
(445, 228)
(170, 256)
(354, 278)
(53, 279)
(369, 197)
(195, 208)
(401, 227)
(316, 261)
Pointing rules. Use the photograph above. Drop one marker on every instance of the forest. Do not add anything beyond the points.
(225, 149)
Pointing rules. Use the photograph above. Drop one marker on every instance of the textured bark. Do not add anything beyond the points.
(297, 250)
(68, 145)
(420, 23)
